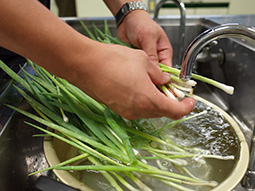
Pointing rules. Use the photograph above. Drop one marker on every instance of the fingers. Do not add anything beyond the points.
(158, 49)
(182, 108)
(164, 50)
(157, 76)
(150, 47)
(159, 105)
(163, 105)
(174, 109)
(155, 103)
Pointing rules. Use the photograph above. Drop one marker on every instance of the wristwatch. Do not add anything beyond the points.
(127, 8)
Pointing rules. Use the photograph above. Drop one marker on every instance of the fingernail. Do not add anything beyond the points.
(192, 102)
(167, 76)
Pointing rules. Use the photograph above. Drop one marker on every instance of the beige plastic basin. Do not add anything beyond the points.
(64, 151)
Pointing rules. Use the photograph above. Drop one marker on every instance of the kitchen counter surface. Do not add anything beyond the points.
(248, 20)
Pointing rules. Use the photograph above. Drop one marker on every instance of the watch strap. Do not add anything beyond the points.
(127, 8)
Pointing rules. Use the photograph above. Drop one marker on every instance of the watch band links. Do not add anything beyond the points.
(127, 8)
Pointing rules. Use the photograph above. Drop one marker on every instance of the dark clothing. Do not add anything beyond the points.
(45, 2)
(66, 8)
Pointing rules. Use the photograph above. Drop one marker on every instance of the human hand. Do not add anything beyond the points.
(139, 30)
(124, 80)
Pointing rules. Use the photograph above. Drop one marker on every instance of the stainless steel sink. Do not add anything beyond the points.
(194, 26)
(21, 153)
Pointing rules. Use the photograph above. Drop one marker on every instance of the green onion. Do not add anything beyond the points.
(228, 89)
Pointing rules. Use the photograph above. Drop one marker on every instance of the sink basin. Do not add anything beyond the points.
(21, 153)
(171, 26)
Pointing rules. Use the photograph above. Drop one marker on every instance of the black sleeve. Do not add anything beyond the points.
(45, 2)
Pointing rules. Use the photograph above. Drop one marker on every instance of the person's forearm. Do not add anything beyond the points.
(31, 30)
(115, 5)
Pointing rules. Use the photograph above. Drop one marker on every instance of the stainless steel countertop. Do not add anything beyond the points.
(222, 19)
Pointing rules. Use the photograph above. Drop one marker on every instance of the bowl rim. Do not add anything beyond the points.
(228, 184)
(242, 164)
(64, 176)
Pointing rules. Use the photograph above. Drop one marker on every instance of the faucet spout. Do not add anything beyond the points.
(182, 8)
(222, 31)
(179, 3)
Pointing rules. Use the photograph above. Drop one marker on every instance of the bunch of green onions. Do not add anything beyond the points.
(112, 144)
(179, 88)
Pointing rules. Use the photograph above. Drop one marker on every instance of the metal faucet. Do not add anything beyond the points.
(222, 31)
(215, 33)
(182, 8)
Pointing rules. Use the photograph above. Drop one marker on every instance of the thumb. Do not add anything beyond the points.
(157, 76)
